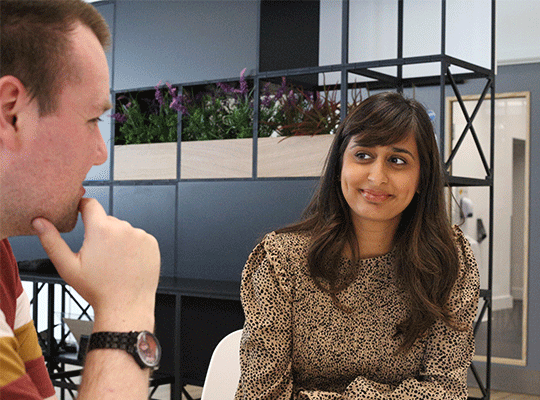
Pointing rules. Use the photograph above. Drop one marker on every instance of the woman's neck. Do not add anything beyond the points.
(375, 239)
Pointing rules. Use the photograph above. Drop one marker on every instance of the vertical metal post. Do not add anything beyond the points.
(444, 69)
(50, 327)
(491, 201)
(400, 46)
(111, 157)
(35, 304)
(113, 94)
(61, 367)
(63, 314)
(177, 183)
(344, 58)
(113, 69)
(177, 385)
(179, 138)
(256, 107)
(256, 97)
(490, 245)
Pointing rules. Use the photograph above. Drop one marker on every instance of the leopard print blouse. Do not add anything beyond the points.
(297, 345)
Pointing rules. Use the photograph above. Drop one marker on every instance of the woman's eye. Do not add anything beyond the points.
(398, 161)
(362, 156)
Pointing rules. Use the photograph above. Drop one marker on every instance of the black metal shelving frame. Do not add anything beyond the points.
(381, 81)
(398, 82)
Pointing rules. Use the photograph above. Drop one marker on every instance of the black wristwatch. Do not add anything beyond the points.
(143, 346)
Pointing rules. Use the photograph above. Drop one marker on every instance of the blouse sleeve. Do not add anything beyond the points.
(266, 345)
(448, 351)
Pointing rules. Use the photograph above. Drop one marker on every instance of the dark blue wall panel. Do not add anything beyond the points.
(152, 208)
(183, 41)
(220, 222)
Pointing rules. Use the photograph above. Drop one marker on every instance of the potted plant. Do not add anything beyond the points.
(217, 125)
(145, 136)
(295, 131)
(212, 117)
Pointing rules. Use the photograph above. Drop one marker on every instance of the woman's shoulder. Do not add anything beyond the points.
(286, 241)
(461, 242)
(467, 260)
(279, 258)
(282, 251)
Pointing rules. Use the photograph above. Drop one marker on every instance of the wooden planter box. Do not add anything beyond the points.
(293, 155)
(232, 158)
(145, 161)
(207, 159)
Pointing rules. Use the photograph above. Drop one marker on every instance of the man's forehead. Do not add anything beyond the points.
(91, 64)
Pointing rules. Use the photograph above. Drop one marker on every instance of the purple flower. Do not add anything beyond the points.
(158, 94)
(267, 89)
(266, 99)
(281, 90)
(229, 89)
(177, 105)
(172, 90)
(291, 98)
(177, 100)
(120, 118)
(243, 83)
(226, 88)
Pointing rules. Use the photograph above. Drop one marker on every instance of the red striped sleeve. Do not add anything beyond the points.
(24, 375)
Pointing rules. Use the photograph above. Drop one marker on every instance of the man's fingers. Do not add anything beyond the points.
(65, 261)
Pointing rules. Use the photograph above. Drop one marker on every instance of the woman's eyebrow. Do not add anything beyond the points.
(402, 150)
(358, 143)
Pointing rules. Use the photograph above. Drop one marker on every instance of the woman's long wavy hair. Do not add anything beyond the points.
(427, 261)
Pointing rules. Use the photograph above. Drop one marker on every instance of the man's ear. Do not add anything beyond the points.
(13, 98)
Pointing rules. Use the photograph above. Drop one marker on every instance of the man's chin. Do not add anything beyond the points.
(68, 222)
(67, 225)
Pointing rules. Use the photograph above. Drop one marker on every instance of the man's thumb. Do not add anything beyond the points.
(56, 248)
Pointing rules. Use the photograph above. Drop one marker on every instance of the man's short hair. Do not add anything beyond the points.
(35, 45)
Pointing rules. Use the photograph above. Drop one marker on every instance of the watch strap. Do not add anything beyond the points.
(129, 342)
(113, 340)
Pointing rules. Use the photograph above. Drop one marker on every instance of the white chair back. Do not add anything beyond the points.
(224, 369)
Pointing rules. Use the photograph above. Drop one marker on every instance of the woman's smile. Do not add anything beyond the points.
(375, 196)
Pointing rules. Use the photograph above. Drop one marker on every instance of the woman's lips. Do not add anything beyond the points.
(375, 196)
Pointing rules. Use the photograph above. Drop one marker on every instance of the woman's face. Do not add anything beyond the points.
(379, 182)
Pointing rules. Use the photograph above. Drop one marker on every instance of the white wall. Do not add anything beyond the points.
(373, 32)
(373, 27)
(518, 31)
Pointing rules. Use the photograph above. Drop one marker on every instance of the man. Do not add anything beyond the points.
(54, 86)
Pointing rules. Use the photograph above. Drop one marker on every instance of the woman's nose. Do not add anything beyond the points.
(378, 173)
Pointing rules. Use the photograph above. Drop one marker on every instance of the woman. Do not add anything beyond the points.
(373, 294)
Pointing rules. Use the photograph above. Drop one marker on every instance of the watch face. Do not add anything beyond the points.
(148, 349)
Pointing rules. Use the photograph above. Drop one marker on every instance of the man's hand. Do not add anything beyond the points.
(116, 270)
